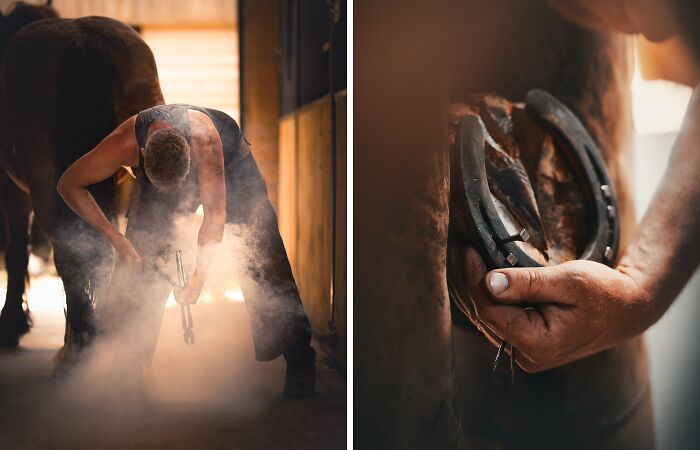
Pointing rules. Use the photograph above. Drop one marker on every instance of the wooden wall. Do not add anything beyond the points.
(260, 86)
(315, 210)
(306, 214)
(306, 202)
(340, 284)
(290, 72)
(287, 194)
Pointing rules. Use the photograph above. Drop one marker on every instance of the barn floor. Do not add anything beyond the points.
(211, 396)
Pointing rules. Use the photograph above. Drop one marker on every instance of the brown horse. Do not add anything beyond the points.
(16, 203)
(66, 84)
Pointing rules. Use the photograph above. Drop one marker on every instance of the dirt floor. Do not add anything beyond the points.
(211, 396)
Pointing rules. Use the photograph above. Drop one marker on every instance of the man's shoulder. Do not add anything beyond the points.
(203, 132)
(124, 136)
(126, 129)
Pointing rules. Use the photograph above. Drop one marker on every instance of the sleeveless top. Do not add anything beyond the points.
(176, 116)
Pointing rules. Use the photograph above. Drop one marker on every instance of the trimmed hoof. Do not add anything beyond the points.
(13, 326)
(64, 360)
(300, 379)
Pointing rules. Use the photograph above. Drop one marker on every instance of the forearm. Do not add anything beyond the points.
(208, 242)
(664, 252)
(84, 205)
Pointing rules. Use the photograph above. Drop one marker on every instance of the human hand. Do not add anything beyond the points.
(559, 314)
(192, 290)
(126, 250)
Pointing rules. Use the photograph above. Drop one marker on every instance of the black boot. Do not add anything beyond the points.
(300, 379)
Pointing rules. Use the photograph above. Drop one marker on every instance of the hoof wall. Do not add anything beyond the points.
(9, 341)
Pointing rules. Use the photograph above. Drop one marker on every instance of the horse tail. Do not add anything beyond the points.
(87, 93)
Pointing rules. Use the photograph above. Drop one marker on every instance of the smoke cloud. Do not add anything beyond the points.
(107, 397)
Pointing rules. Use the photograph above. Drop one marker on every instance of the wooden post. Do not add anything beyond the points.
(260, 86)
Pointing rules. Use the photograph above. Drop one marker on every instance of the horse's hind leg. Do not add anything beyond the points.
(16, 211)
(83, 261)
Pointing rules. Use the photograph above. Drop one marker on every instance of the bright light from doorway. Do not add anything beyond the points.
(658, 106)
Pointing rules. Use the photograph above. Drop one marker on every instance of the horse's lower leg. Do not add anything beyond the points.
(14, 320)
(39, 242)
(83, 261)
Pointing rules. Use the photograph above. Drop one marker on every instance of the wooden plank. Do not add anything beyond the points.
(341, 226)
(314, 212)
(306, 211)
(287, 192)
(260, 87)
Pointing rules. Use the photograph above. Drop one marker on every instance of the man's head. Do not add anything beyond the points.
(166, 159)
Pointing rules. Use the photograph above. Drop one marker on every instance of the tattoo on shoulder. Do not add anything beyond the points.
(219, 170)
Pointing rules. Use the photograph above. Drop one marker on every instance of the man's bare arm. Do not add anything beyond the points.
(212, 190)
(116, 150)
(665, 252)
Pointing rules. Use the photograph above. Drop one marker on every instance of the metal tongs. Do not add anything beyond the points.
(186, 314)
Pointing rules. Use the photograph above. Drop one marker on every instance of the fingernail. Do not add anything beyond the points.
(498, 282)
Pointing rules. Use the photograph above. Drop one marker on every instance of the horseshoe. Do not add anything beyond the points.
(474, 217)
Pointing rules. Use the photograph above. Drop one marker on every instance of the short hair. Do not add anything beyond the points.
(166, 159)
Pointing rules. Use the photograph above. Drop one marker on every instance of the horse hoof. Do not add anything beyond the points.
(12, 327)
(64, 360)
(8, 341)
(75, 346)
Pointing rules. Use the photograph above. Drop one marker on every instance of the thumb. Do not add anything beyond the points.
(530, 285)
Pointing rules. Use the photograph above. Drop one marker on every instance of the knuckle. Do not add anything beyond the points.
(576, 276)
(508, 325)
(533, 281)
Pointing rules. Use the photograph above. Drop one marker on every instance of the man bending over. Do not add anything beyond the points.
(184, 156)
